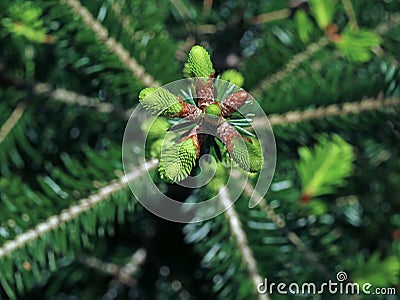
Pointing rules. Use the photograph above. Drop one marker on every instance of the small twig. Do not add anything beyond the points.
(12, 120)
(271, 16)
(137, 259)
(207, 5)
(238, 233)
(351, 15)
(291, 236)
(65, 96)
(122, 274)
(207, 28)
(127, 271)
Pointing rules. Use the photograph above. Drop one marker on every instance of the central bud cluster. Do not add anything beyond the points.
(209, 114)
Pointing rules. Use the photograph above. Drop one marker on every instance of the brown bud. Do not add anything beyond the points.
(189, 111)
(232, 103)
(205, 93)
(226, 133)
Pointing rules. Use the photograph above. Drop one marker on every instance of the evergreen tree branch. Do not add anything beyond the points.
(312, 49)
(56, 221)
(291, 236)
(12, 120)
(115, 47)
(238, 233)
(333, 110)
(123, 274)
(290, 66)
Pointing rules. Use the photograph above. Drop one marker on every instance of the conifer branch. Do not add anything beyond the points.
(312, 49)
(238, 233)
(12, 120)
(123, 274)
(290, 66)
(115, 47)
(333, 110)
(291, 236)
(56, 221)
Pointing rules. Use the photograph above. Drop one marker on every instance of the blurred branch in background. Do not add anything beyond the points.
(69, 97)
(351, 15)
(207, 6)
(292, 65)
(57, 94)
(122, 274)
(291, 236)
(84, 205)
(311, 50)
(10, 123)
(271, 16)
(238, 233)
(331, 111)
